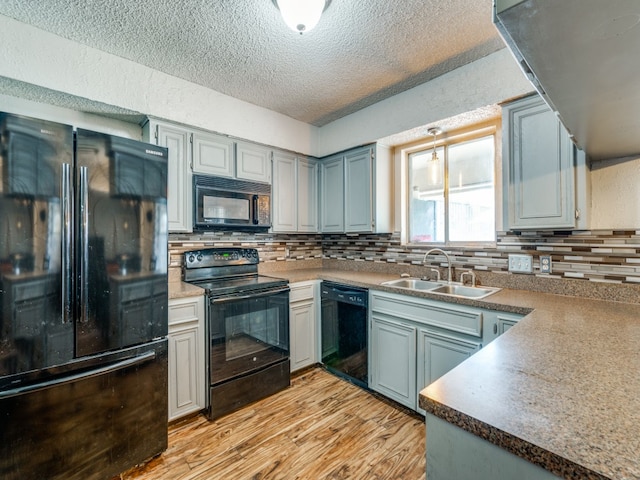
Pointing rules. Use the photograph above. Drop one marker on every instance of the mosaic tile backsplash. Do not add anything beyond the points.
(606, 256)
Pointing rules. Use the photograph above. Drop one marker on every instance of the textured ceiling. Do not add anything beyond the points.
(361, 52)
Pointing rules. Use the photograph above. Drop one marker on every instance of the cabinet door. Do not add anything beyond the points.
(284, 207)
(187, 379)
(540, 165)
(332, 184)
(183, 380)
(438, 353)
(393, 360)
(358, 191)
(179, 203)
(505, 322)
(307, 188)
(496, 323)
(253, 162)
(302, 325)
(213, 154)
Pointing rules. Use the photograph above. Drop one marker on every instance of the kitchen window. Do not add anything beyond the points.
(452, 198)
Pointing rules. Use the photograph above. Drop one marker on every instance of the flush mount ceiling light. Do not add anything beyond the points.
(301, 15)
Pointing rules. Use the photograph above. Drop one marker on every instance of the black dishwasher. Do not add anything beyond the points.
(344, 331)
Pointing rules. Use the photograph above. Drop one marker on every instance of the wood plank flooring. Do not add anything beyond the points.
(322, 427)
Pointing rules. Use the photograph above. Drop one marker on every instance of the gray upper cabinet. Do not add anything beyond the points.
(545, 178)
(179, 202)
(355, 191)
(283, 209)
(201, 152)
(294, 193)
(359, 192)
(221, 156)
(307, 202)
(213, 154)
(253, 162)
(332, 194)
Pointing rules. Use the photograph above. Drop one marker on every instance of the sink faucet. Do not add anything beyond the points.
(439, 250)
(473, 277)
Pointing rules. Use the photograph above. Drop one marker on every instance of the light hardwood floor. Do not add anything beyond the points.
(322, 427)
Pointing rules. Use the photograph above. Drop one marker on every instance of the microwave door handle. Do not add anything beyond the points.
(254, 210)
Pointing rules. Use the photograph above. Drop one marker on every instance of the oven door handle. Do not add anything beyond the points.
(232, 297)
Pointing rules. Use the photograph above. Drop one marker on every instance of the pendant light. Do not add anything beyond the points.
(434, 163)
(301, 15)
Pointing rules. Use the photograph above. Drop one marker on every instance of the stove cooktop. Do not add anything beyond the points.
(242, 284)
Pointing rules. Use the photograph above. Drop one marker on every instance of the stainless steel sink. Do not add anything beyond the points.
(450, 289)
(412, 284)
(464, 291)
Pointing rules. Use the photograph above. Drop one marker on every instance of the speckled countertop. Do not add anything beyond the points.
(560, 389)
(178, 289)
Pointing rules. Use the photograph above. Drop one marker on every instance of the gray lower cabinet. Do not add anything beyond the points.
(187, 381)
(497, 323)
(393, 359)
(302, 324)
(414, 341)
(438, 352)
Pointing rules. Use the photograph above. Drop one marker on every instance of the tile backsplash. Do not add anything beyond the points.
(606, 256)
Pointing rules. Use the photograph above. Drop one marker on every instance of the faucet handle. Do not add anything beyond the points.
(473, 277)
(437, 272)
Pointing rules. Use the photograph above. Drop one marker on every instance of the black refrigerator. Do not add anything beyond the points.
(83, 301)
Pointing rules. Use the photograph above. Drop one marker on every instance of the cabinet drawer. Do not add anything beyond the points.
(439, 314)
(301, 291)
(183, 312)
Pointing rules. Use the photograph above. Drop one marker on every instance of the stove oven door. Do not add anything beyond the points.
(248, 332)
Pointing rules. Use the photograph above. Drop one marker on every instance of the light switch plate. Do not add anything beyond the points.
(520, 263)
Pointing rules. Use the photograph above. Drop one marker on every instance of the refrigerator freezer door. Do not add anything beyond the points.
(35, 160)
(121, 243)
(90, 424)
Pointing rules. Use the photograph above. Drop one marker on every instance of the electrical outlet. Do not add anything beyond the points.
(520, 263)
(545, 263)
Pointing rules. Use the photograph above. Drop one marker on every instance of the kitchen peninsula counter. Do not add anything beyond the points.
(561, 389)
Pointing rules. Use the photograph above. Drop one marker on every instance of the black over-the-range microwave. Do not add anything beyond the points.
(228, 203)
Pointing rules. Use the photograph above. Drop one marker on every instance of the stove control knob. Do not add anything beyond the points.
(235, 255)
(191, 258)
(199, 257)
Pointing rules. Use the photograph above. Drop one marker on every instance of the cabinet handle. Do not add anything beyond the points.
(495, 328)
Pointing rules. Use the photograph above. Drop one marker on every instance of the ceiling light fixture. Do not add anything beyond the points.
(435, 131)
(301, 15)
(434, 164)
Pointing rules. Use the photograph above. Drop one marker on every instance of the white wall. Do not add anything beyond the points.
(615, 194)
(41, 58)
(487, 81)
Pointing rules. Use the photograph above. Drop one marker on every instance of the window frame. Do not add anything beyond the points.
(449, 138)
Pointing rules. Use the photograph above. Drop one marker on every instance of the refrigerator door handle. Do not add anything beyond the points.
(84, 251)
(129, 362)
(67, 221)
